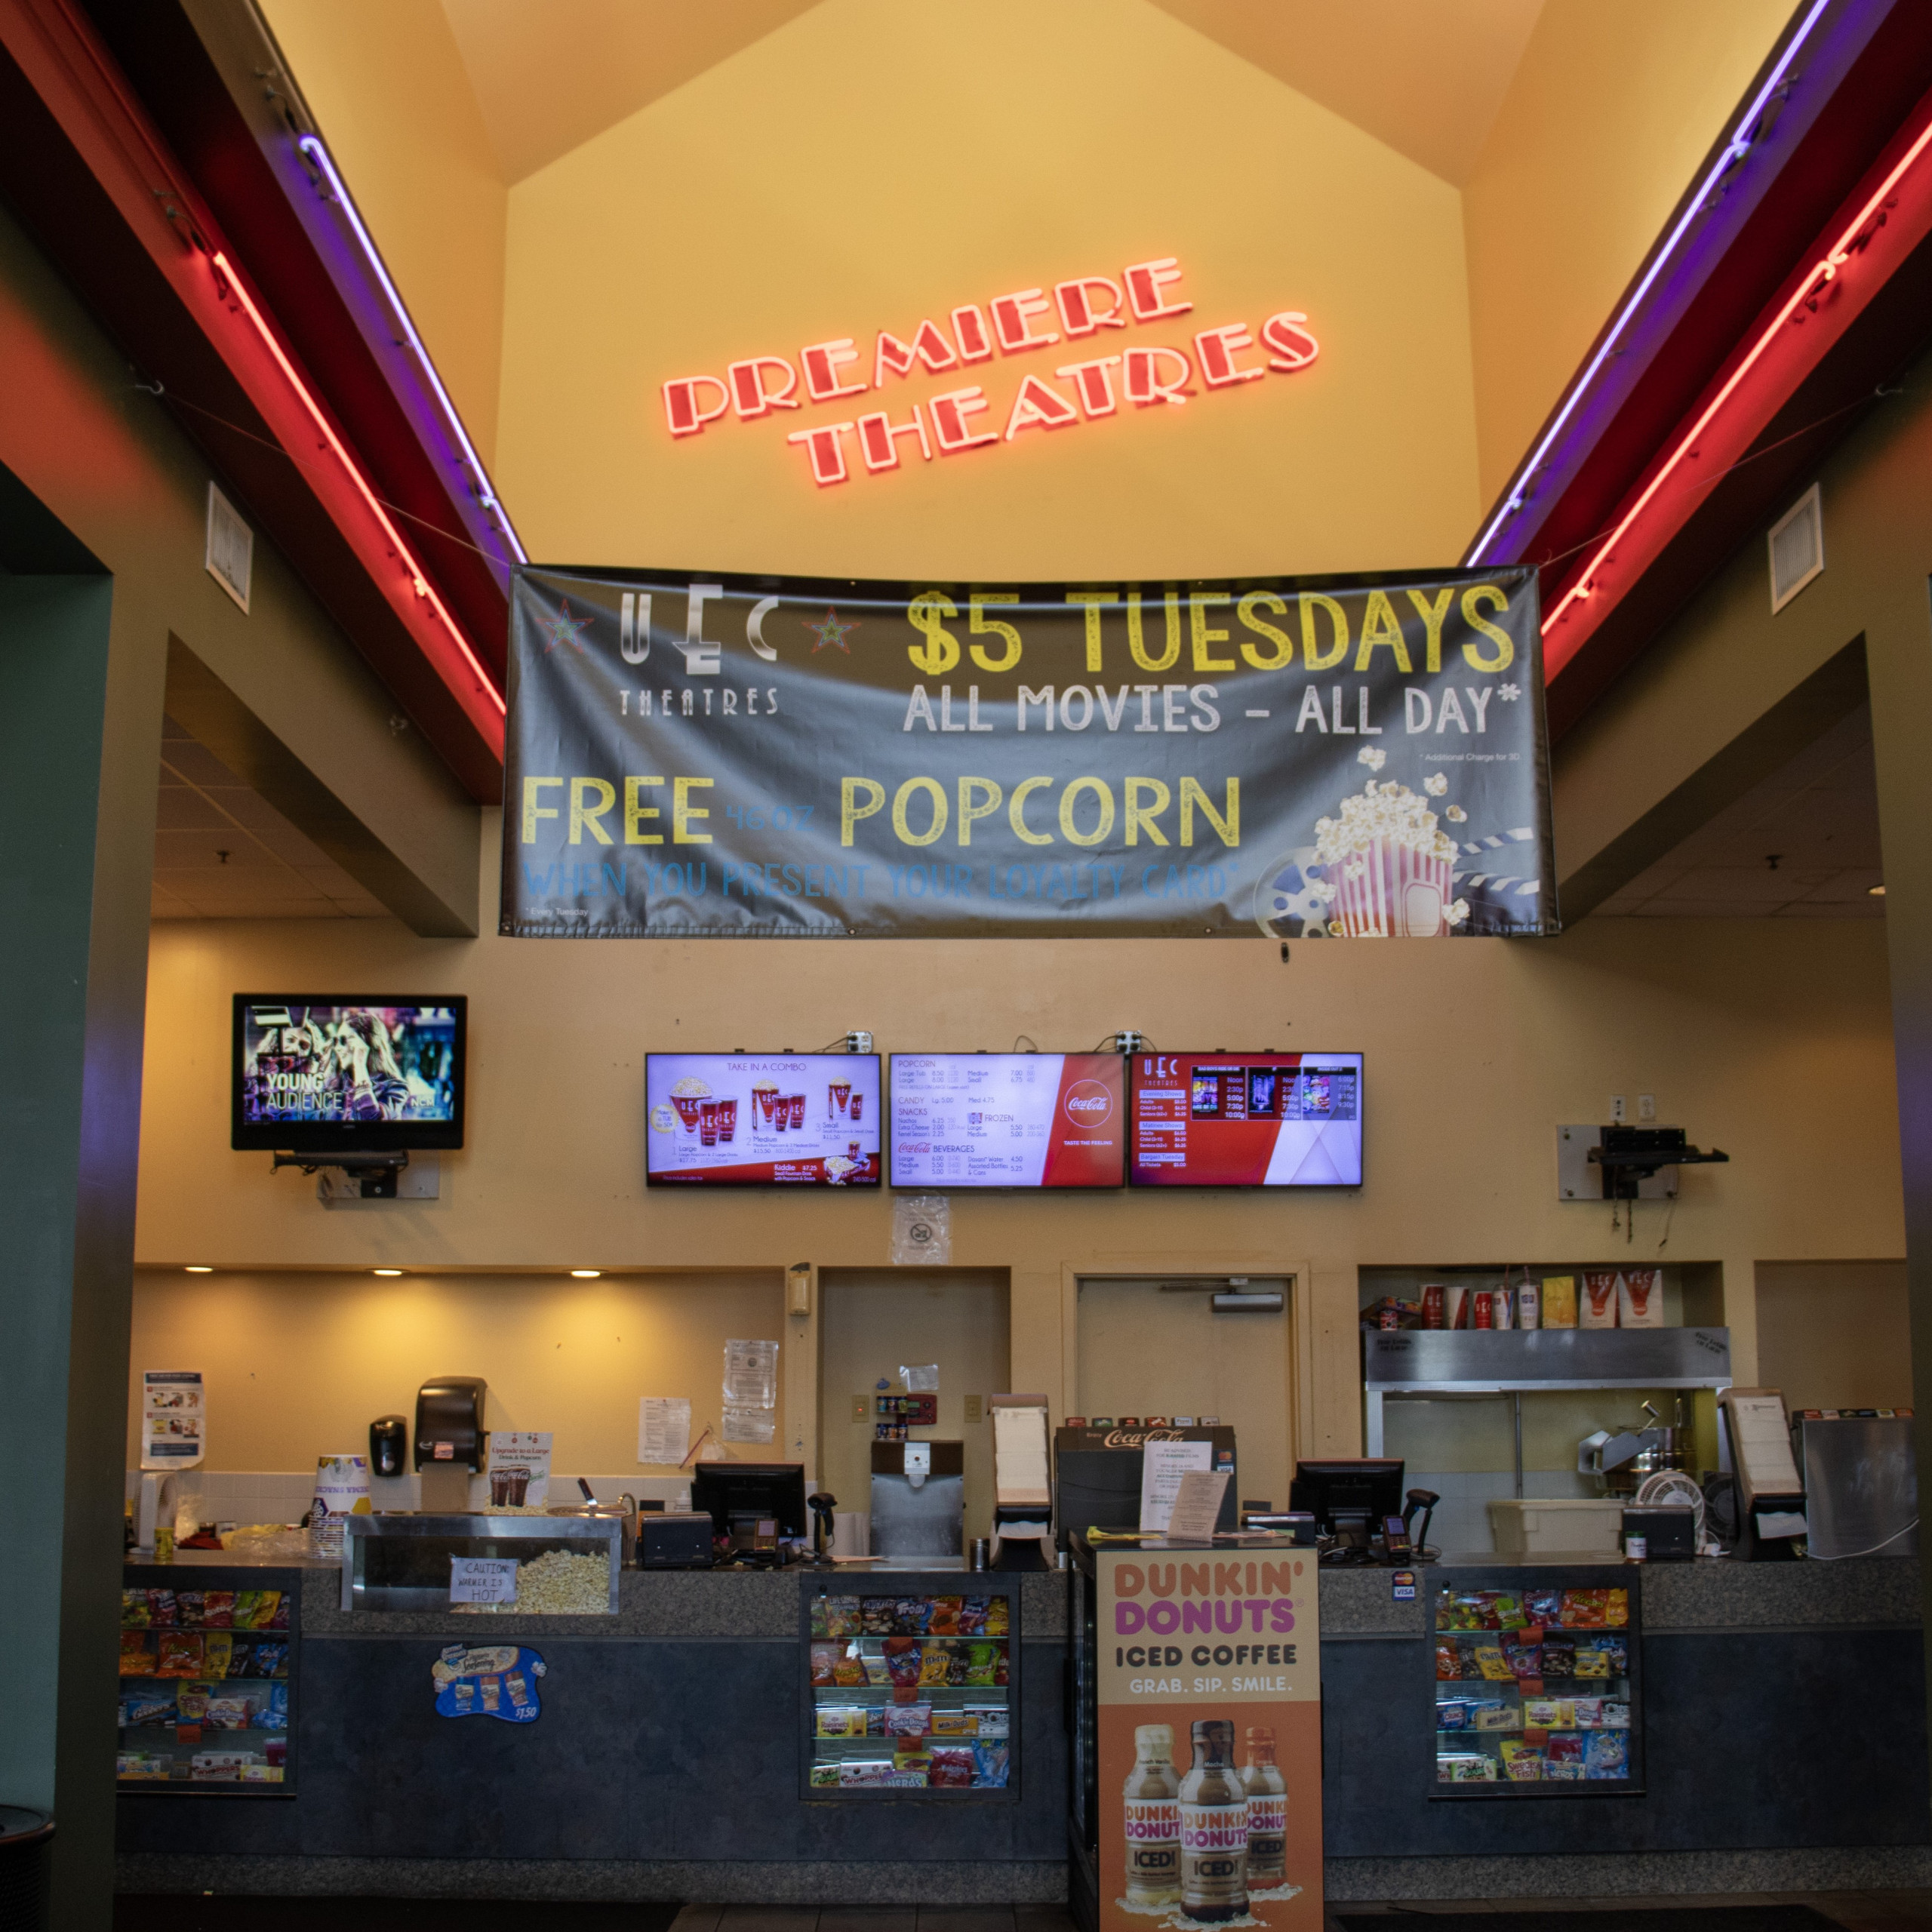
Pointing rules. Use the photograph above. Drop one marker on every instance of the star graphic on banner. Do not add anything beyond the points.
(562, 629)
(832, 632)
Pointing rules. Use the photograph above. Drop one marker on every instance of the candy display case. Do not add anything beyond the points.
(913, 1687)
(1537, 1676)
(207, 1675)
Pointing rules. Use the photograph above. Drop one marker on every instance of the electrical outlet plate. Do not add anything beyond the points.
(974, 1408)
(1578, 1178)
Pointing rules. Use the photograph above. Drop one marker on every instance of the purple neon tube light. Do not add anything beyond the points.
(1739, 145)
(339, 192)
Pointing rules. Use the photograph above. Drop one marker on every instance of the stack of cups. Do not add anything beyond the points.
(342, 1489)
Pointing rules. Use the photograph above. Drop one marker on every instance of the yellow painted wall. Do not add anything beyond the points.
(298, 1365)
(1476, 1051)
(387, 85)
(871, 164)
(1611, 110)
(1836, 1334)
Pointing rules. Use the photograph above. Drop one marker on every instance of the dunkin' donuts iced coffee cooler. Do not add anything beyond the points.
(1207, 1685)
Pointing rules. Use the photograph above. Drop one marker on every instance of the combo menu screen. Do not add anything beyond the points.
(1246, 1120)
(1008, 1120)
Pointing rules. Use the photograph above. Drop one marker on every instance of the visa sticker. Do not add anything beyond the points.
(1402, 1584)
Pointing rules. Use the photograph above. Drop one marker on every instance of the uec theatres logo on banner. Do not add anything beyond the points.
(1088, 1104)
(1144, 374)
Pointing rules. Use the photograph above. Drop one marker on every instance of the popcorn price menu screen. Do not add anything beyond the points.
(1008, 1120)
(762, 1119)
(1246, 1120)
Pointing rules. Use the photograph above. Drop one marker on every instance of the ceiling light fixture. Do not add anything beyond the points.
(419, 581)
(1745, 134)
(1875, 891)
(338, 193)
(385, 1272)
(1807, 288)
(195, 1268)
(586, 1274)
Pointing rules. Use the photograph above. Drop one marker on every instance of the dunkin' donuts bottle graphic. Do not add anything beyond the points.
(1213, 1828)
(1153, 1819)
(1267, 1810)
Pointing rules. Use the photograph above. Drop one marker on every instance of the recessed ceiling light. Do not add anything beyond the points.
(386, 1271)
(194, 1268)
(586, 1274)
(1876, 892)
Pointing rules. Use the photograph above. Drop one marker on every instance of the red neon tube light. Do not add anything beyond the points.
(419, 581)
(1824, 271)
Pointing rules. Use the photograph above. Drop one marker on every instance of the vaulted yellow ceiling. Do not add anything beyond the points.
(1427, 77)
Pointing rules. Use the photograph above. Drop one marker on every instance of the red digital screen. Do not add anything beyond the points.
(1008, 1120)
(1246, 1120)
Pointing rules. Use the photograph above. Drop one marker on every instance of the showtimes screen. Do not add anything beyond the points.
(361, 1074)
(761, 1120)
(1008, 1120)
(1246, 1120)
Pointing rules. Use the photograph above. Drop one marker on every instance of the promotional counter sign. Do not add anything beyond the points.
(1210, 1749)
(174, 1419)
(495, 1680)
(1360, 758)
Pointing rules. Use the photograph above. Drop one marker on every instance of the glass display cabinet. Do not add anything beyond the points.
(534, 1565)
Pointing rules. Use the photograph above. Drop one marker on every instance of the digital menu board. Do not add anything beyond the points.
(762, 1119)
(1246, 1120)
(1008, 1120)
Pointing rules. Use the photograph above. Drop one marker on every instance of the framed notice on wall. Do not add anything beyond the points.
(1208, 1681)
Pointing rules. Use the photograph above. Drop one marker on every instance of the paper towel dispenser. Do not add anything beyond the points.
(449, 1422)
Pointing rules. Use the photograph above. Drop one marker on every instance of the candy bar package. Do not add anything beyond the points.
(223, 1657)
(824, 1659)
(842, 1617)
(1568, 1749)
(1607, 1755)
(990, 1764)
(191, 1701)
(911, 1617)
(1549, 1713)
(1453, 1714)
(876, 1616)
(911, 1754)
(909, 1720)
(1465, 1768)
(1567, 1771)
(876, 1670)
(236, 1712)
(178, 1654)
(1596, 1305)
(952, 1765)
(1489, 1661)
(973, 1617)
(906, 1777)
(1616, 1653)
(866, 1770)
(955, 1723)
(1559, 1301)
(823, 1776)
(191, 1606)
(1495, 1715)
(1559, 1657)
(162, 1608)
(136, 1654)
(945, 1619)
(1591, 1661)
(841, 1721)
(135, 1612)
(992, 1719)
(935, 1664)
(273, 1714)
(1448, 1663)
(1588, 1712)
(1640, 1298)
(148, 1707)
(1616, 1714)
(847, 1669)
(218, 1609)
(875, 1713)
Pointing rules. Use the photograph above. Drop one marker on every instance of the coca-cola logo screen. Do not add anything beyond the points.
(770, 1120)
(1008, 1120)
(1246, 1120)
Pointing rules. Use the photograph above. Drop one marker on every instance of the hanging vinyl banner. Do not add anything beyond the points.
(1360, 758)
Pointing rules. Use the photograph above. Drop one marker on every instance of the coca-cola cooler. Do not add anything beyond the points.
(1196, 1734)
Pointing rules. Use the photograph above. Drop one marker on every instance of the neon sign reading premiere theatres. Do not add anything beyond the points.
(958, 420)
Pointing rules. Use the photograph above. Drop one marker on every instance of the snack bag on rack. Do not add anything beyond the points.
(136, 1654)
(990, 1765)
(218, 1609)
(191, 1606)
(842, 1617)
(935, 1664)
(1543, 1607)
(162, 1607)
(1615, 1608)
(1607, 1755)
(1522, 1762)
(178, 1653)
(998, 1616)
(1559, 1657)
(875, 1616)
(136, 1613)
(951, 1765)
(911, 1617)
(1490, 1662)
(973, 1617)
(1525, 1660)
(848, 1669)
(1448, 1663)
(220, 1656)
(824, 1656)
(946, 1616)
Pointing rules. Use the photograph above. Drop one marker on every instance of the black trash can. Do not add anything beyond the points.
(26, 1862)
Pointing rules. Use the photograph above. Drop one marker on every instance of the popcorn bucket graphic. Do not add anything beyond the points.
(1385, 890)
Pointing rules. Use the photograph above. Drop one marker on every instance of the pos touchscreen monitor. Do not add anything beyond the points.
(343, 1073)
(1246, 1120)
(1008, 1120)
(761, 1120)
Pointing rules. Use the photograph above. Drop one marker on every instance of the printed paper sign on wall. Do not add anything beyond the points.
(1362, 759)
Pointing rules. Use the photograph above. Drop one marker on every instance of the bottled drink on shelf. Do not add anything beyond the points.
(1153, 1819)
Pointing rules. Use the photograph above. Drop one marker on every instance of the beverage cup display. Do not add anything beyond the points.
(1213, 1828)
(728, 1120)
(1432, 1305)
(798, 1112)
(519, 1486)
(764, 1094)
(852, 1148)
(707, 1132)
(688, 1097)
(499, 1486)
(840, 1093)
(781, 1112)
(857, 1108)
